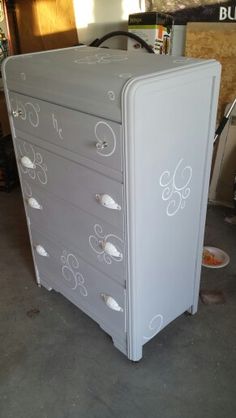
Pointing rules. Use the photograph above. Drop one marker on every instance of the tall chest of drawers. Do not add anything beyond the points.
(114, 151)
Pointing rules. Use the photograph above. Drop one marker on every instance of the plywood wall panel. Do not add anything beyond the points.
(218, 41)
(45, 24)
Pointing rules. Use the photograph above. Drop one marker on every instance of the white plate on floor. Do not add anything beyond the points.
(218, 254)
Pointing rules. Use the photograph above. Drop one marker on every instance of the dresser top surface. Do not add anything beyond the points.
(85, 78)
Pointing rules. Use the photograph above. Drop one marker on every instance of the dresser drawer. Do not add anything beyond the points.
(76, 184)
(98, 242)
(91, 137)
(65, 271)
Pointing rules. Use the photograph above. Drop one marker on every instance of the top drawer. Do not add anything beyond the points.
(91, 137)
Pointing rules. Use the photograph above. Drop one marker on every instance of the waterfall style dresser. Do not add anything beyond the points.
(114, 152)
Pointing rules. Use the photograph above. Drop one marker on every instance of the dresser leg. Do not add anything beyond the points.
(192, 310)
(44, 284)
(48, 288)
(136, 354)
(119, 346)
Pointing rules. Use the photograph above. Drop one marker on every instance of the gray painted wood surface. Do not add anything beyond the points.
(69, 129)
(66, 271)
(72, 182)
(84, 232)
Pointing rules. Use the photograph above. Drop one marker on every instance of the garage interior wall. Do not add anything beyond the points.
(95, 18)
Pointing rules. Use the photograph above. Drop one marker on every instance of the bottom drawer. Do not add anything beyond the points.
(96, 294)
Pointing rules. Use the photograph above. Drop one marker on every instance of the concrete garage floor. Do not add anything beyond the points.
(58, 363)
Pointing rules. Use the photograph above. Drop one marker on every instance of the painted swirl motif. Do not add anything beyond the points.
(27, 111)
(154, 326)
(73, 277)
(104, 132)
(124, 75)
(40, 169)
(111, 95)
(101, 58)
(96, 240)
(176, 187)
(27, 189)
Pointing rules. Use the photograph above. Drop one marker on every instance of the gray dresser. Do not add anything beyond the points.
(114, 153)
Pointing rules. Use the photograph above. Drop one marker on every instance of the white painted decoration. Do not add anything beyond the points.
(105, 135)
(27, 111)
(111, 95)
(56, 126)
(176, 188)
(105, 250)
(125, 75)
(73, 277)
(27, 189)
(101, 58)
(154, 326)
(32, 163)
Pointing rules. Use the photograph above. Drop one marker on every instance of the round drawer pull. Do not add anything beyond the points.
(41, 251)
(27, 163)
(111, 303)
(17, 113)
(33, 203)
(100, 145)
(107, 201)
(110, 249)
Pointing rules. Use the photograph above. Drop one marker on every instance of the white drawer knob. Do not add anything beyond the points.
(107, 201)
(41, 251)
(100, 145)
(33, 203)
(111, 303)
(17, 113)
(110, 249)
(27, 163)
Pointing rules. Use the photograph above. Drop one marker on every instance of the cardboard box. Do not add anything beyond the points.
(154, 28)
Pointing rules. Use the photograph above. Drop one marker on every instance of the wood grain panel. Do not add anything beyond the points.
(45, 24)
(218, 41)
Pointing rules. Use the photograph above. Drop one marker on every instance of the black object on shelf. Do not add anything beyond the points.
(8, 170)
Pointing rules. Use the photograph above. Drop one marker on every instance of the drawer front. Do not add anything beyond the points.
(91, 137)
(98, 242)
(100, 297)
(72, 182)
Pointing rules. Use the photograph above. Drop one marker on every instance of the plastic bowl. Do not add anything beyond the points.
(215, 254)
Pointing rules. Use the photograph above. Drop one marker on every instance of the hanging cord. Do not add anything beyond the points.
(98, 42)
(224, 121)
